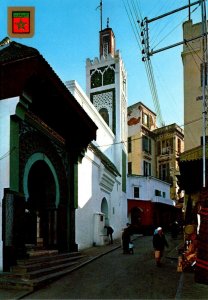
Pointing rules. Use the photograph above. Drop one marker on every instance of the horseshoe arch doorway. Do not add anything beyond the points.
(42, 197)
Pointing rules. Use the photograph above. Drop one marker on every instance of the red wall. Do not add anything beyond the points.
(146, 214)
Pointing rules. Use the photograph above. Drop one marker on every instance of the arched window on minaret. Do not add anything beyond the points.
(105, 115)
(109, 76)
(96, 79)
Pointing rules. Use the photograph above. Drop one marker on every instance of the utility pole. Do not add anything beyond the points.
(146, 52)
(145, 29)
(189, 10)
(204, 83)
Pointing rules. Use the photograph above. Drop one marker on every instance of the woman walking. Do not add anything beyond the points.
(159, 244)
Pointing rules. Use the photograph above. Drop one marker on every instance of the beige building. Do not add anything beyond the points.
(169, 142)
(153, 151)
(141, 150)
(192, 63)
(192, 170)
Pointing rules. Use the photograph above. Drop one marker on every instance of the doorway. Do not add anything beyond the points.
(41, 208)
(136, 218)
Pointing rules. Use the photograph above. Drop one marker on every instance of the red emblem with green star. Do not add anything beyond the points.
(21, 22)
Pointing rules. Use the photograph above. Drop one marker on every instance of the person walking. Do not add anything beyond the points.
(126, 239)
(159, 244)
(109, 233)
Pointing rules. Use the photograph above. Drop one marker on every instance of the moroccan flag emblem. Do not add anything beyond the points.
(21, 21)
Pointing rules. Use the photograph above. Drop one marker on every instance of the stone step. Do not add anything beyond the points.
(16, 284)
(44, 258)
(41, 252)
(33, 284)
(40, 264)
(33, 273)
(43, 271)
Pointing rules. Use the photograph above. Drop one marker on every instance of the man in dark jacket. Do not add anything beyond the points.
(159, 244)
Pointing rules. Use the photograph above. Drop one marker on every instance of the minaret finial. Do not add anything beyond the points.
(107, 22)
(101, 15)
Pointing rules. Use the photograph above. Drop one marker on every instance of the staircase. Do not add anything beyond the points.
(39, 269)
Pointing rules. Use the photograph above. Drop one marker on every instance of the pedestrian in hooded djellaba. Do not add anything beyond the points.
(126, 240)
(159, 244)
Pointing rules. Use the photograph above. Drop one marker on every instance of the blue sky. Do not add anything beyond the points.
(67, 33)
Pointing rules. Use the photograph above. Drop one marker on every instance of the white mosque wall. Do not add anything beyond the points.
(104, 135)
(97, 185)
(94, 184)
(7, 108)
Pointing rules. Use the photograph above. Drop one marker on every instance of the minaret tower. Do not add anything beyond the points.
(107, 41)
(107, 89)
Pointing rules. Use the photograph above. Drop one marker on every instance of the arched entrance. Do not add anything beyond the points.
(41, 207)
(136, 217)
(104, 210)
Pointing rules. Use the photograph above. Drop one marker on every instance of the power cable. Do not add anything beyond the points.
(126, 142)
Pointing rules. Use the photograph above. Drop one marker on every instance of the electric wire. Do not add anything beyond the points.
(194, 9)
(126, 142)
(134, 11)
(148, 65)
(171, 31)
(7, 153)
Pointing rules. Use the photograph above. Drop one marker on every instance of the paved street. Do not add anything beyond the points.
(119, 276)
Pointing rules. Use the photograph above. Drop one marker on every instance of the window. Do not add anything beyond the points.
(145, 120)
(96, 79)
(179, 146)
(157, 193)
(129, 168)
(108, 76)
(164, 172)
(146, 144)
(136, 192)
(129, 145)
(105, 45)
(158, 148)
(167, 146)
(146, 168)
(163, 193)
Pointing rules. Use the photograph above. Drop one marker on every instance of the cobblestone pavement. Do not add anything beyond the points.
(76, 284)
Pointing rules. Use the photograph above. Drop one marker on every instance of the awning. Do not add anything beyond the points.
(166, 201)
(142, 205)
(193, 154)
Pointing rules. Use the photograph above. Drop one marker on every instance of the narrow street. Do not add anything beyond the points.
(119, 276)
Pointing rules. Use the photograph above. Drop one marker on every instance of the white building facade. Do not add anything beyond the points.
(149, 203)
(149, 189)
